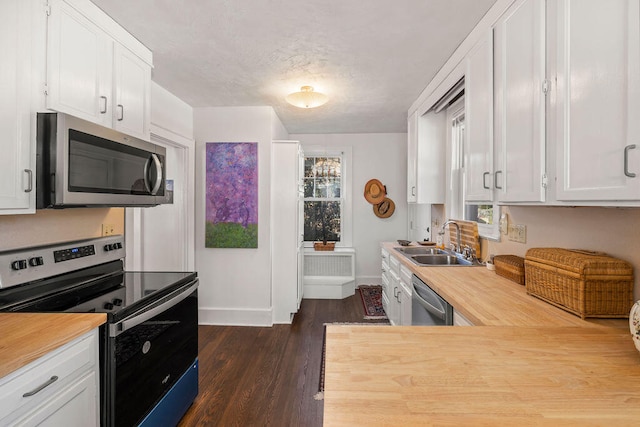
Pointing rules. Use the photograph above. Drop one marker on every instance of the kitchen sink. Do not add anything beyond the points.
(433, 257)
(420, 251)
(440, 259)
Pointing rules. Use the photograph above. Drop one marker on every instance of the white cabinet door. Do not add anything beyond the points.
(394, 287)
(412, 158)
(132, 78)
(478, 81)
(520, 103)
(79, 66)
(74, 406)
(17, 183)
(405, 305)
(426, 158)
(285, 247)
(598, 100)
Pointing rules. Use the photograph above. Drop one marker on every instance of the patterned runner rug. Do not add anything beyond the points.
(371, 296)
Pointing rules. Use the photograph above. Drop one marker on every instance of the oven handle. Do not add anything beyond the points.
(116, 329)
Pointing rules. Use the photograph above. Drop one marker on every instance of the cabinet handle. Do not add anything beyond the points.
(104, 105)
(413, 190)
(626, 161)
(29, 180)
(495, 178)
(38, 389)
(484, 180)
(398, 296)
(121, 108)
(395, 295)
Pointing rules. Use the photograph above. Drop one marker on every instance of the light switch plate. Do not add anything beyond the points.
(518, 233)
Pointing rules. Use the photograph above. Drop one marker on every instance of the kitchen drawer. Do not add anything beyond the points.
(385, 257)
(66, 363)
(385, 284)
(405, 275)
(394, 264)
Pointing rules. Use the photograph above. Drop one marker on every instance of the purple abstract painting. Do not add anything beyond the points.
(231, 195)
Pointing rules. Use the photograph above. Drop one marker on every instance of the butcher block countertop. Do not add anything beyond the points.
(25, 337)
(480, 376)
(525, 362)
(487, 299)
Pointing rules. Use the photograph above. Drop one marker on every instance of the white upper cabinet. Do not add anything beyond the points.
(132, 88)
(17, 182)
(478, 83)
(412, 158)
(79, 71)
(520, 87)
(426, 158)
(597, 112)
(91, 75)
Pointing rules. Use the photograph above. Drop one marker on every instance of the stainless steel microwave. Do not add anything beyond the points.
(82, 164)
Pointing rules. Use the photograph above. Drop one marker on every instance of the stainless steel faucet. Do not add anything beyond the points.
(458, 246)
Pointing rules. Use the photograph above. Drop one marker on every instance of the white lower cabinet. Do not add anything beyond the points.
(394, 301)
(59, 389)
(460, 320)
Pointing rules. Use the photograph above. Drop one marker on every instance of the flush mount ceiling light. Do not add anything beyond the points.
(306, 98)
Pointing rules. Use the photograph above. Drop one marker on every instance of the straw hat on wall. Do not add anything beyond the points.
(374, 191)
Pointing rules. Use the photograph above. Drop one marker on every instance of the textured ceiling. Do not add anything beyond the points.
(372, 58)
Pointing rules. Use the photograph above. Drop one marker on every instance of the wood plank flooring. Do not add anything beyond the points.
(260, 376)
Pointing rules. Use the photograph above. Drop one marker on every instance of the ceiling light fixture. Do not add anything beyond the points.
(306, 98)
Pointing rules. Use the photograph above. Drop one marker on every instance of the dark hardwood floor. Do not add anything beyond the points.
(260, 376)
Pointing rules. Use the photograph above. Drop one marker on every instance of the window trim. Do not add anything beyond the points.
(346, 198)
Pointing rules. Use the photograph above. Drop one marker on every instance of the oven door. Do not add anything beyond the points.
(149, 351)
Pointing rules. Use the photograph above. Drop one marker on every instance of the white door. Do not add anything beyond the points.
(17, 183)
(160, 238)
(79, 66)
(520, 103)
(598, 100)
(478, 82)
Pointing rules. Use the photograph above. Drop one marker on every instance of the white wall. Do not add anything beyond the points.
(235, 285)
(615, 231)
(380, 156)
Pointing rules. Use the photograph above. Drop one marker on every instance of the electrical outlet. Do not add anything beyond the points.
(518, 233)
(108, 229)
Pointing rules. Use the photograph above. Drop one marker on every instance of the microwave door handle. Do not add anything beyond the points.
(145, 175)
(158, 180)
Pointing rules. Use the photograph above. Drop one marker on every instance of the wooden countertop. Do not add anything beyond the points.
(25, 337)
(487, 299)
(480, 376)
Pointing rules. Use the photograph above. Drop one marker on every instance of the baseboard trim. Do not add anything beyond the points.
(235, 316)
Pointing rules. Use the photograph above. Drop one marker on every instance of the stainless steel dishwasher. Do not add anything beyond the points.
(427, 307)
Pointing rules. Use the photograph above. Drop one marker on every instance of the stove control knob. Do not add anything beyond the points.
(108, 247)
(108, 306)
(117, 245)
(117, 302)
(20, 264)
(36, 261)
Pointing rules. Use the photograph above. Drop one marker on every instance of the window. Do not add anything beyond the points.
(322, 198)
(484, 214)
(326, 196)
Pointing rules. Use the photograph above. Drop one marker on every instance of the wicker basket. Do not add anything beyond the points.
(511, 267)
(319, 246)
(588, 284)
